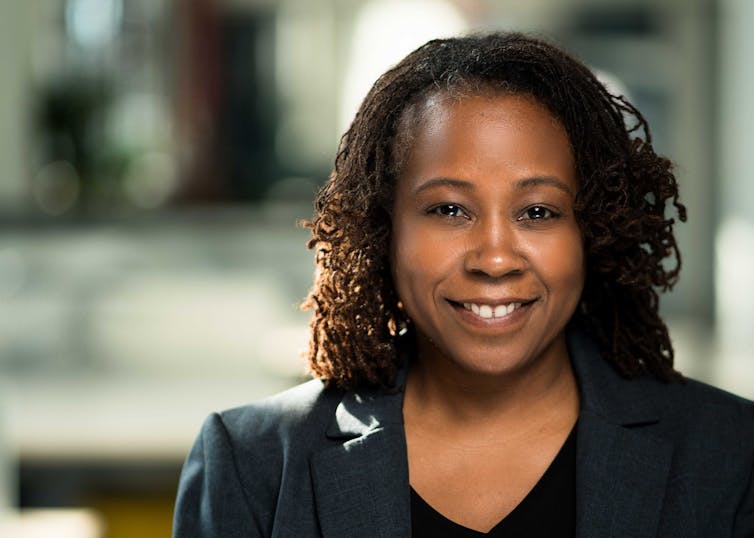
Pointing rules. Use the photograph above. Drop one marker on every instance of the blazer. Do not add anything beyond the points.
(654, 459)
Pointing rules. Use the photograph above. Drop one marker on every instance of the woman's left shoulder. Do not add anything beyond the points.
(690, 395)
(709, 415)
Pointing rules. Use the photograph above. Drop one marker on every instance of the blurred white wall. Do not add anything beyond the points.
(735, 188)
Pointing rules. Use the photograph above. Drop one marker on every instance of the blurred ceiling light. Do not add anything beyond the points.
(93, 23)
(387, 30)
(56, 187)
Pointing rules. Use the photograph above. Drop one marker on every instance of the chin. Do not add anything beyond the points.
(493, 366)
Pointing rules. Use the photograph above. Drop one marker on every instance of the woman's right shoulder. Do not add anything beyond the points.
(231, 480)
(292, 417)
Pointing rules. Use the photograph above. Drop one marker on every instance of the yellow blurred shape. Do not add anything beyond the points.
(129, 516)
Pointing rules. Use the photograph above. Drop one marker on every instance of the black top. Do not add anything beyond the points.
(549, 509)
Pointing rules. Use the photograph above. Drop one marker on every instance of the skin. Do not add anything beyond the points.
(483, 214)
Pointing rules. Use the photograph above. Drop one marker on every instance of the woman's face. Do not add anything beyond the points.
(486, 253)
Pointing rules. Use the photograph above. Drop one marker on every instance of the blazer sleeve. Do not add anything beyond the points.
(211, 500)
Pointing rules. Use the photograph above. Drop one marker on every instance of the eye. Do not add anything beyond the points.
(538, 212)
(448, 210)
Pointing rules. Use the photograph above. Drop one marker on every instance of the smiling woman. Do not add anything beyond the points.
(485, 331)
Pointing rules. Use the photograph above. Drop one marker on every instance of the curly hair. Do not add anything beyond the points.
(624, 188)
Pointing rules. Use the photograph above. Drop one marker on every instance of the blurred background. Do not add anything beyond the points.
(156, 156)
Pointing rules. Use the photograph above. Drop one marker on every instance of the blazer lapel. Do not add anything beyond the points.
(621, 467)
(361, 483)
(620, 479)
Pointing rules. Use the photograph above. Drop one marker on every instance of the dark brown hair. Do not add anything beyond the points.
(624, 190)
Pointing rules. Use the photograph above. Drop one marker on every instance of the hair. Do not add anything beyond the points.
(624, 188)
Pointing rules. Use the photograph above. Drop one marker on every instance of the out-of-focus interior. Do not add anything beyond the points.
(156, 156)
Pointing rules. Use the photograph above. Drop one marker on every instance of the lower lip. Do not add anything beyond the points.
(507, 322)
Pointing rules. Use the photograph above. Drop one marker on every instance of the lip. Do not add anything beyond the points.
(493, 301)
(505, 323)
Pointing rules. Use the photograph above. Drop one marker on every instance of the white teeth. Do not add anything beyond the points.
(488, 311)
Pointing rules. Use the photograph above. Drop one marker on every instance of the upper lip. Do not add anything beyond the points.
(494, 301)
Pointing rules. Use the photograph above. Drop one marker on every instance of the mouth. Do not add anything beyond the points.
(489, 311)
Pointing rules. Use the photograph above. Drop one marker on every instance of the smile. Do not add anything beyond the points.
(487, 311)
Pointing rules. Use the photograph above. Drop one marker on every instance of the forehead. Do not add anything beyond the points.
(509, 110)
(512, 133)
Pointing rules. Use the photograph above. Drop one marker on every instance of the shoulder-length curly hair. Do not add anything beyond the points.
(624, 188)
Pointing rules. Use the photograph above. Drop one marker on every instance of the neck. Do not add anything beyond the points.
(444, 393)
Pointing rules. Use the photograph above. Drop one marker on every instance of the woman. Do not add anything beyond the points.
(485, 332)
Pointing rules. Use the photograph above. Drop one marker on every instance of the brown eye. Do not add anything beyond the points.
(538, 212)
(448, 210)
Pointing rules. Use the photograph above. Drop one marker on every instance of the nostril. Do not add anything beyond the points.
(494, 259)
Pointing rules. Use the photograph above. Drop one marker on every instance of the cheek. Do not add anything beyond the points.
(418, 262)
(563, 262)
(557, 258)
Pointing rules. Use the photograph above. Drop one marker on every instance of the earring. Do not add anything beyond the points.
(405, 322)
(400, 323)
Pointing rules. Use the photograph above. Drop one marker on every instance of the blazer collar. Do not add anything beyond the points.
(363, 411)
(606, 392)
(361, 483)
(622, 467)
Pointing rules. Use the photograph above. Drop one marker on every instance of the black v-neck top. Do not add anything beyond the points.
(549, 509)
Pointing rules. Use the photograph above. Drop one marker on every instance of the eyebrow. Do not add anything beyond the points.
(544, 180)
(521, 184)
(444, 182)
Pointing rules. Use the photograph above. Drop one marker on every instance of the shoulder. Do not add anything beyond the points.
(698, 394)
(295, 415)
(712, 416)
(711, 433)
(719, 425)
(231, 479)
(260, 439)
(676, 409)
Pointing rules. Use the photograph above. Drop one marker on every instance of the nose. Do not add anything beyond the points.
(493, 250)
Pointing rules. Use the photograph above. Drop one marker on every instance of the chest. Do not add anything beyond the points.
(477, 484)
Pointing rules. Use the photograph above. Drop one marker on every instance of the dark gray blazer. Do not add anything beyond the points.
(653, 459)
